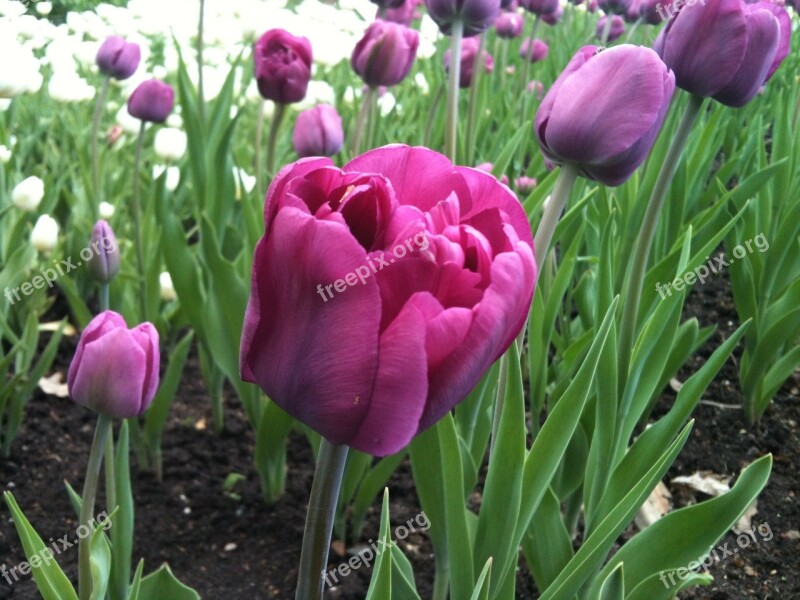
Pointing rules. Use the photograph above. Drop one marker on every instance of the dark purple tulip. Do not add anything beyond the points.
(387, 4)
(554, 17)
(117, 58)
(615, 31)
(475, 15)
(591, 6)
(403, 14)
(151, 101)
(651, 11)
(724, 49)
(509, 25)
(632, 15)
(604, 111)
(318, 132)
(282, 64)
(469, 50)
(533, 51)
(540, 7)
(104, 262)
(115, 369)
(385, 54)
(785, 42)
(614, 7)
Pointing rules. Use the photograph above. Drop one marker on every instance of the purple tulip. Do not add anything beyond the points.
(318, 132)
(615, 31)
(382, 292)
(536, 88)
(604, 111)
(540, 7)
(533, 51)
(404, 14)
(725, 49)
(476, 16)
(282, 64)
(525, 184)
(592, 6)
(554, 17)
(615, 7)
(117, 58)
(650, 11)
(152, 101)
(385, 54)
(469, 51)
(388, 4)
(115, 369)
(104, 262)
(509, 25)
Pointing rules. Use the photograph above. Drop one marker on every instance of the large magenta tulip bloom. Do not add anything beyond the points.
(383, 291)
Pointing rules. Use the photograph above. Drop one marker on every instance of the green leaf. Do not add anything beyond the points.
(270, 450)
(659, 587)
(163, 584)
(137, 582)
(380, 587)
(614, 585)
(123, 521)
(99, 561)
(484, 583)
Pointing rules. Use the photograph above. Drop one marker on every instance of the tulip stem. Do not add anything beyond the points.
(274, 127)
(526, 70)
(319, 520)
(437, 97)
(98, 112)
(104, 303)
(552, 213)
(637, 268)
(367, 100)
(451, 131)
(258, 141)
(137, 222)
(606, 30)
(101, 433)
(201, 104)
(473, 100)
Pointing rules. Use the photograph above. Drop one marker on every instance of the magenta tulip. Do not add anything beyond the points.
(282, 64)
(117, 58)
(553, 18)
(383, 291)
(604, 111)
(404, 14)
(540, 7)
(615, 31)
(469, 52)
(509, 25)
(385, 54)
(652, 11)
(533, 51)
(476, 16)
(115, 369)
(151, 101)
(318, 132)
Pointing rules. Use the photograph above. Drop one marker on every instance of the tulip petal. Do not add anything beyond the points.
(147, 337)
(286, 176)
(97, 328)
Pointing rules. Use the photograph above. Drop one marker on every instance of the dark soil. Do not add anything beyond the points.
(234, 546)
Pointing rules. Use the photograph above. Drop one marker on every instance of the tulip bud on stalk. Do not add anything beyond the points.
(318, 132)
(104, 262)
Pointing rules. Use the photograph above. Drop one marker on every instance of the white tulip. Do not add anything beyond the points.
(167, 289)
(20, 72)
(173, 176)
(28, 193)
(170, 143)
(106, 210)
(44, 236)
(44, 8)
(5, 155)
(68, 86)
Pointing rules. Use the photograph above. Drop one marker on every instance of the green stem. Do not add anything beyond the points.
(258, 141)
(526, 69)
(101, 432)
(104, 303)
(200, 93)
(367, 100)
(137, 222)
(111, 484)
(552, 213)
(98, 112)
(274, 127)
(451, 130)
(606, 30)
(633, 29)
(434, 111)
(319, 520)
(637, 267)
(477, 72)
(441, 579)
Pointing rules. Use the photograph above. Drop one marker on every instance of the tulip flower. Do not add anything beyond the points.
(383, 57)
(554, 17)
(614, 7)
(106, 210)
(409, 277)
(509, 25)
(44, 235)
(725, 49)
(282, 66)
(28, 194)
(615, 29)
(540, 7)
(117, 58)
(151, 101)
(525, 184)
(115, 370)
(385, 4)
(536, 88)
(534, 50)
(104, 262)
(650, 11)
(475, 16)
(633, 14)
(318, 132)
(403, 14)
(166, 288)
(20, 72)
(170, 144)
(604, 111)
(469, 52)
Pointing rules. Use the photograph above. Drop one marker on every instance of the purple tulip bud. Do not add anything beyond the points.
(117, 58)
(592, 6)
(487, 167)
(554, 17)
(524, 184)
(533, 51)
(650, 11)
(540, 7)
(403, 14)
(151, 101)
(615, 7)
(509, 25)
(476, 16)
(615, 31)
(536, 87)
(469, 51)
(388, 4)
(115, 369)
(282, 64)
(318, 132)
(104, 262)
(385, 54)
(724, 49)
(604, 111)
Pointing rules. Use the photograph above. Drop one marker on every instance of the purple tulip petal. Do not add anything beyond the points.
(147, 337)
(97, 328)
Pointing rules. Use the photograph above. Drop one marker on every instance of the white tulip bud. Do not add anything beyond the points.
(167, 290)
(106, 210)
(44, 236)
(170, 143)
(44, 8)
(28, 193)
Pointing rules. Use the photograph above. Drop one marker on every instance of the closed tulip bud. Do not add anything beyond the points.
(536, 88)
(28, 194)
(509, 25)
(469, 52)
(615, 7)
(632, 15)
(170, 143)
(605, 110)
(282, 65)
(367, 354)
(533, 51)
(104, 262)
(44, 235)
(476, 16)
(616, 29)
(151, 101)
(650, 11)
(385, 54)
(385, 4)
(554, 17)
(525, 184)
(44, 8)
(403, 14)
(115, 370)
(166, 289)
(318, 132)
(540, 7)
(725, 49)
(117, 58)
